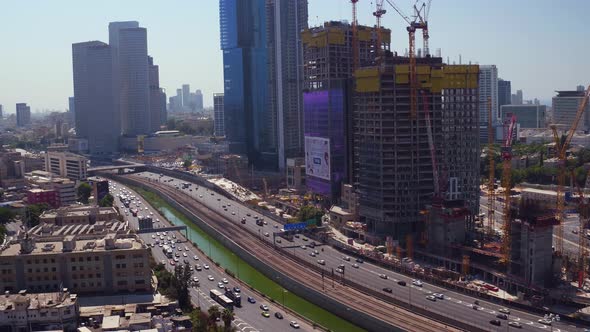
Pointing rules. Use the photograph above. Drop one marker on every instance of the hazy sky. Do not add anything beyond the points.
(540, 45)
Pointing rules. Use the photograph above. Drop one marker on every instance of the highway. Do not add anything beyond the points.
(454, 305)
(249, 317)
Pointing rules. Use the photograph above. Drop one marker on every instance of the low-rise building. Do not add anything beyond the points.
(43, 196)
(109, 264)
(78, 215)
(65, 164)
(65, 188)
(296, 173)
(39, 312)
(12, 169)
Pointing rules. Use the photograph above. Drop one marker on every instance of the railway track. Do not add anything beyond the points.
(387, 312)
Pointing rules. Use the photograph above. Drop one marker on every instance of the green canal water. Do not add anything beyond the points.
(226, 259)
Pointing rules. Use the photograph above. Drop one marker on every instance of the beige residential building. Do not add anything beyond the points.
(83, 264)
(39, 312)
(78, 215)
(65, 188)
(65, 164)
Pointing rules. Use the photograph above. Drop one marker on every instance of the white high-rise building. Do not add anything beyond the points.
(131, 73)
(488, 88)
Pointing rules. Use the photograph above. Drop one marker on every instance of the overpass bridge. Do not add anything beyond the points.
(134, 168)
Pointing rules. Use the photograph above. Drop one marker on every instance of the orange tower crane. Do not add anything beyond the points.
(355, 38)
(506, 183)
(378, 13)
(560, 151)
(491, 192)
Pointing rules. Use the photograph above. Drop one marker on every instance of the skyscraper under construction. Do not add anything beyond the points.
(393, 168)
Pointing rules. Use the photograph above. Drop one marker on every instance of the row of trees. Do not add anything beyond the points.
(206, 321)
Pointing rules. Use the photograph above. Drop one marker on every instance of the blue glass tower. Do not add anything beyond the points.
(243, 42)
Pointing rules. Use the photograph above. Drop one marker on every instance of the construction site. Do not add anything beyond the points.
(416, 156)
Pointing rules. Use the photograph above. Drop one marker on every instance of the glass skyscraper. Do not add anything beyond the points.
(243, 42)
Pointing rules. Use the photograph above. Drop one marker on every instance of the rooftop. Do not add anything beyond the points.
(87, 245)
(37, 301)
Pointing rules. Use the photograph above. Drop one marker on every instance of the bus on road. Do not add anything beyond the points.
(167, 251)
(223, 300)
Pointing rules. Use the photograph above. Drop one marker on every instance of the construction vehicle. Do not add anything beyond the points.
(560, 151)
(509, 127)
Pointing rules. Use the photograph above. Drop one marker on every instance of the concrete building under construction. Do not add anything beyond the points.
(393, 168)
(328, 77)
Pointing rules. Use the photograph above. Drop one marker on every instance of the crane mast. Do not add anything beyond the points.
(492, 193)
(355, 40)
(506, 183)
(378, 13)
(560, 151)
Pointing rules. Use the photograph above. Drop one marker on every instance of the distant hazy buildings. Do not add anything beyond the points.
(157, 98)
(1, 111)
(243, 42)
(186, 101)
(219, 129)
(517, 98)
(527, 116)
(23, 115)
(97, 119)
(504, 92)
(565, 106)
(285, 19)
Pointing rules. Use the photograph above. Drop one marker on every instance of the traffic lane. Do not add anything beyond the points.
(248, 311)
(216, 203)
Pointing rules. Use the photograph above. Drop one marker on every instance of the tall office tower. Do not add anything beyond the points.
(504, 93)
(163, 110)
(565, 107)
(517, 98)
(393, 169)
(285, 19)
(488, 88)
(198, 100)
(243, 41)
(327, 106)
(23, 115)
(72, 109)
(219, 129)
(155, 96)
(131, 70)
(186, 99)
(97, 118)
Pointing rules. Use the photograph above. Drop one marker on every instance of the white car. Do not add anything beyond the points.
(195, 279)
(225, 281)
(322, 262)
(417, 283)
(206, 267)
(153, 236)
(184, 254)
(266, 234)
(220, 285)
(545, 321)
(439, 296)
(294, 324)
(196, 257)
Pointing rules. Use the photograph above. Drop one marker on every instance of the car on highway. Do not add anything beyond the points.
(264, 307)
(431, 298)
(243, 220)
(225, 281)
(303, 247)
(304, 239)
(176, 259)
(417, 283)
(279, 240)
(439, 296)
(265, 314)
(475, 306)
(153, 236)
(195, 279)
(220, 285)
(401, 283)
(210, 278)
(294, 324)
(266, 234)
(312, 254)
(339, 270)
(233, 213)
(185, 248)
(504, 311)
(383, 276)
(200, 196)
(237, 290)
(206, 267)
(545, 321)
(251, 299)
(388, 290)
(346, 258)
(496, 322)
(278, 315)
(515, 324)
(502, 316)
(198, 267)
(355, 265)
(195, 257)
(321, 262)
(184, 254)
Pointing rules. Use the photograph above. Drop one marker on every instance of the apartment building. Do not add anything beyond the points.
(39, 312)
(65, 164)
(78, 215)
(65, 188)
(84, 264)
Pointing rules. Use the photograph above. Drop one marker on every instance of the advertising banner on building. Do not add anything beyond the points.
(317, 157)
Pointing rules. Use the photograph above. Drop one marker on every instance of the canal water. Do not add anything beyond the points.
(246, 273)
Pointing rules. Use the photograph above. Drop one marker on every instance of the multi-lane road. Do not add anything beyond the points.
(454, 305)
(248, 317)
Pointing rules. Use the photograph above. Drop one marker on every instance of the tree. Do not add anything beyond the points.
(33, 212)
(309, 212)
(214, 313)
(6, 215)
(187, 163)
(106, 201)
(84, 192)
(182, 281)
(199, 319)
(227, 316)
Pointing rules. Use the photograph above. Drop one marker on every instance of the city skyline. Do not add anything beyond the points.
(45, 82)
